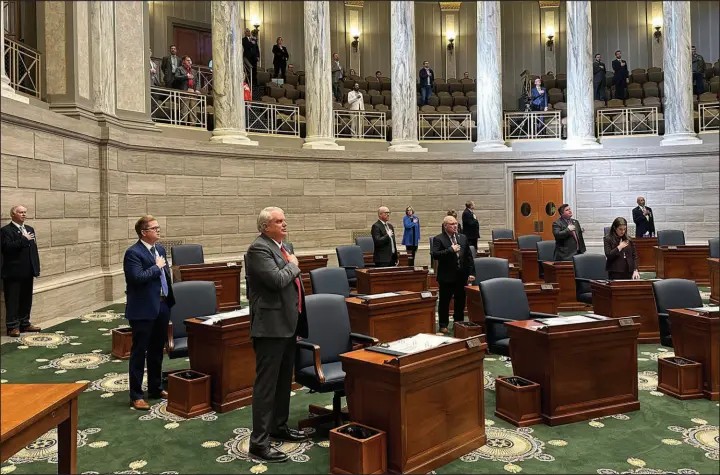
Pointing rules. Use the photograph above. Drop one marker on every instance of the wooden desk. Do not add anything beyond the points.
(403, 258)
(540, 300)
(563, 273)
(392, 318)
(503, 248)
(30, 410)
(414, 399)
(696, 337)
(683, 262)
(226, 276)
(308, 263)
(714, 268)
(615, 298)
(528, 264)
(514, 271)
(646, 256)
(578, 383)
(391, 279)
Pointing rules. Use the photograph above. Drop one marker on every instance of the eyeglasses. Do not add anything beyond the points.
(154, 228)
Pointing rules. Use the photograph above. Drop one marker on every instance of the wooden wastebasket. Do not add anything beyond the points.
(188, 393)
(121, 343)
(680, 378)
(517, 401)
(466, 329)
(356, 448)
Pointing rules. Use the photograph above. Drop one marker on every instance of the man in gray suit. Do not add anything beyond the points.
(568, 235)
(277, 318)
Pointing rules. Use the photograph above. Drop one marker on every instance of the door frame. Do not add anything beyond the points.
(564, 170)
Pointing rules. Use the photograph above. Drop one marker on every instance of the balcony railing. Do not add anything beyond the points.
(360, 124)
(627, 121)
(22, 66)
(272, 119)
(709, 116)
(457, 127)
(532, 125)
(174, 107)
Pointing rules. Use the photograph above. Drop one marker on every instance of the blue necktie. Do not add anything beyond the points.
(163, 279)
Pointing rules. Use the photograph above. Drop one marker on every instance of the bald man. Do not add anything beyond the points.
(383, 234)
(643, 218)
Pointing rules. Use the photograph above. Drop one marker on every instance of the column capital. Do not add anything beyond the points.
(549, 3)
(357, 4)
(450, 6)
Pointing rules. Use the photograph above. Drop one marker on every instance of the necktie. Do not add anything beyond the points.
(392, 241)
(163, 279)
(297, 279)
(577, 243)
(457, 254)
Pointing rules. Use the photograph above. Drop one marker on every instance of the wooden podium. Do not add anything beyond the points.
(714, 267)
(696, 336)
(391, 279)
(308, 263)
(503, 248)
(226, 276)
(413, 398)
(683, 262)
(578, 384)
(540, 299)
(528, 264)
(628, 298)
(563, 273)
(646, 256)
(392, 318)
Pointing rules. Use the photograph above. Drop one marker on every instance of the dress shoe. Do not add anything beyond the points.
(291, 435)
(268, 454)
(30, 329)
(161, 395)
(140, 405)
(444, 330)
(13, 333)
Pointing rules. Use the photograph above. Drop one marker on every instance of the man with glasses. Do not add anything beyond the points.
(149, 299)
(383, 234)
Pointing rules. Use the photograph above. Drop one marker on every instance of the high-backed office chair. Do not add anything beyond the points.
(487, 268)
(546, 253)
(588, 267)
(330, 280)
(671, 237)
(473, 251)
(185, 254)
(606, 230)
(528, 241)
(192, 299)
(504, 300)
(673, 293)
(317, 360)
(502, 234)
(714, 244)
(350, 258)
(366, 243)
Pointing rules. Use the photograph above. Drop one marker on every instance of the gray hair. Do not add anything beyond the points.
(447, 219)
(265, 216)
(14, 208)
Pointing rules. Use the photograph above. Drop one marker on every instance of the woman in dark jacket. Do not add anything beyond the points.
(622, 260)
(280, 58)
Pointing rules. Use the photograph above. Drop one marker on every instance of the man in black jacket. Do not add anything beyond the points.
(568, 235)
(455, 269)
(383, 234)
(21, 264)
(599, 78)
(470, 224)
(251, 52)
(643, 218)
(620, 75)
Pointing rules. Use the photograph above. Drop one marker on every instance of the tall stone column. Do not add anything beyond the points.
(318, 77)
(227, 55)
(489, 79)
(677, 62)
(102, 34)
(580, 110)
(7, 90)
(402, 72)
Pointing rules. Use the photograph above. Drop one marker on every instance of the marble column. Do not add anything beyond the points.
(227, 55)
(318, 77)
(403, 74)
(7, 89)
(489, 79)
(580, 110)
(102, 33)
(677, 60)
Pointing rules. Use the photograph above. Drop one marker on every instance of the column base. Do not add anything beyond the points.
(232, 136)
(322, 143)
(582, 143)
(683, 138)
(10, 93)
(406, 146)
(491, 146)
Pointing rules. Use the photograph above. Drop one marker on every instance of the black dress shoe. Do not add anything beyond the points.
(290, 435)
(268, 454)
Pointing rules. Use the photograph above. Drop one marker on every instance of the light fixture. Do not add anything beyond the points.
(657, 24)
(256, 24)
(451, 41)
(355, 33)
(550, 34)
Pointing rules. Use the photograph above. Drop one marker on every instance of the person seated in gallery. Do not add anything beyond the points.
(622, 258)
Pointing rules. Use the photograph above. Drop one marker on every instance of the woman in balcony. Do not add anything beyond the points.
(280, 58)
(411, 235)
(622, 259)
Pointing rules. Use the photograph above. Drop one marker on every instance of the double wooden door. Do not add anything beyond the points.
(193, 42)
(536, 203)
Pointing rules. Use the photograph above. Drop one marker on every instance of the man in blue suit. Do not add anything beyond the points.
(539, 102)
(149, 299)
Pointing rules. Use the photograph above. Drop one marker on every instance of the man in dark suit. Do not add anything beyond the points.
(644, 219)
(383, 234)
(620, 75)
(455, 269)
(251, 52)
(20, 265)
(599, 78)
(169, 64)
(427, 81)
(149, 300)
(277, 318)
(568, 235)
(470, 224)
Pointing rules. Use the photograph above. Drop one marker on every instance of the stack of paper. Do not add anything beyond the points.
(212, 319)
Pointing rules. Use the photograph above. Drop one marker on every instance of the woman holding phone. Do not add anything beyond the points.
(622, 260)
(411, 235)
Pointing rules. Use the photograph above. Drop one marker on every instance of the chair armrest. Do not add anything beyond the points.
(349, 267)
(664, 315)
(582, 279)
(170, 340)
(372, 264)
(304, 345)
(498, 319)
(542, 315)
(365, 339)
(356, 295)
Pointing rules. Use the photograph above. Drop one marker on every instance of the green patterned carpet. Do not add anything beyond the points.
(665, 436)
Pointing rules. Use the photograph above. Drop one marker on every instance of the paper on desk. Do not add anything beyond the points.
(212, 319)
(419, 342)
(379, 296)
(716, 308)
(569, 320)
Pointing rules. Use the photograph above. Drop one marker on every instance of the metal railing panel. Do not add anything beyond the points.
(444, 127)
(175, 107)
(272, 119)
(367, 125)
(709, 116)
(627, 121)
(532, 125)
(23, 67)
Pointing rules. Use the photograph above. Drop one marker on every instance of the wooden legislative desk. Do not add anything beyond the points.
(539, 299)
(403, 258)
(696, 337)
(414, 399)
(714, 267)
(392, 318)
(226, 276)
(30, 410)
(563, 273)
(628, 298)
(683, 262)
(308, 263)
(503, 248)
(646, 255)
(585, 370)
(391, 279)
(528, 264)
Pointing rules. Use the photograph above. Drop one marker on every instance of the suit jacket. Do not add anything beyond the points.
(642, 224)
(20, 259)
(272, 291)
(383, 244)
(166, 66)
(619, 261)
(540, 100)
(424, 75)
(181, 79)
(451, 266)
(565, 245)
(620, 72)
(280, 55)
(142, 280)
(470, 224)
(251, 50)
(599, 72)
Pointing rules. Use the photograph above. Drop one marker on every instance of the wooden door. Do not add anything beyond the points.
(193, 42)
(536, 202)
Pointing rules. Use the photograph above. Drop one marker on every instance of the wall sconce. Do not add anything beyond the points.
(355, 33)
(256, 25)
(657, 24)
(550, 34)
(451, 41)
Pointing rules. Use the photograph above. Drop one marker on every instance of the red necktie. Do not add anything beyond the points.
(297, 279)
(577, 243)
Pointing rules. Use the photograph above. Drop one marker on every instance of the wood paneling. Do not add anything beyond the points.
(522, 47)
(164, 13)
(704, 33)
(284, 19)
(624, 26)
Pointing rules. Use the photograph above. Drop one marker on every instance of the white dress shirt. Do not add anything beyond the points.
(355, 99)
